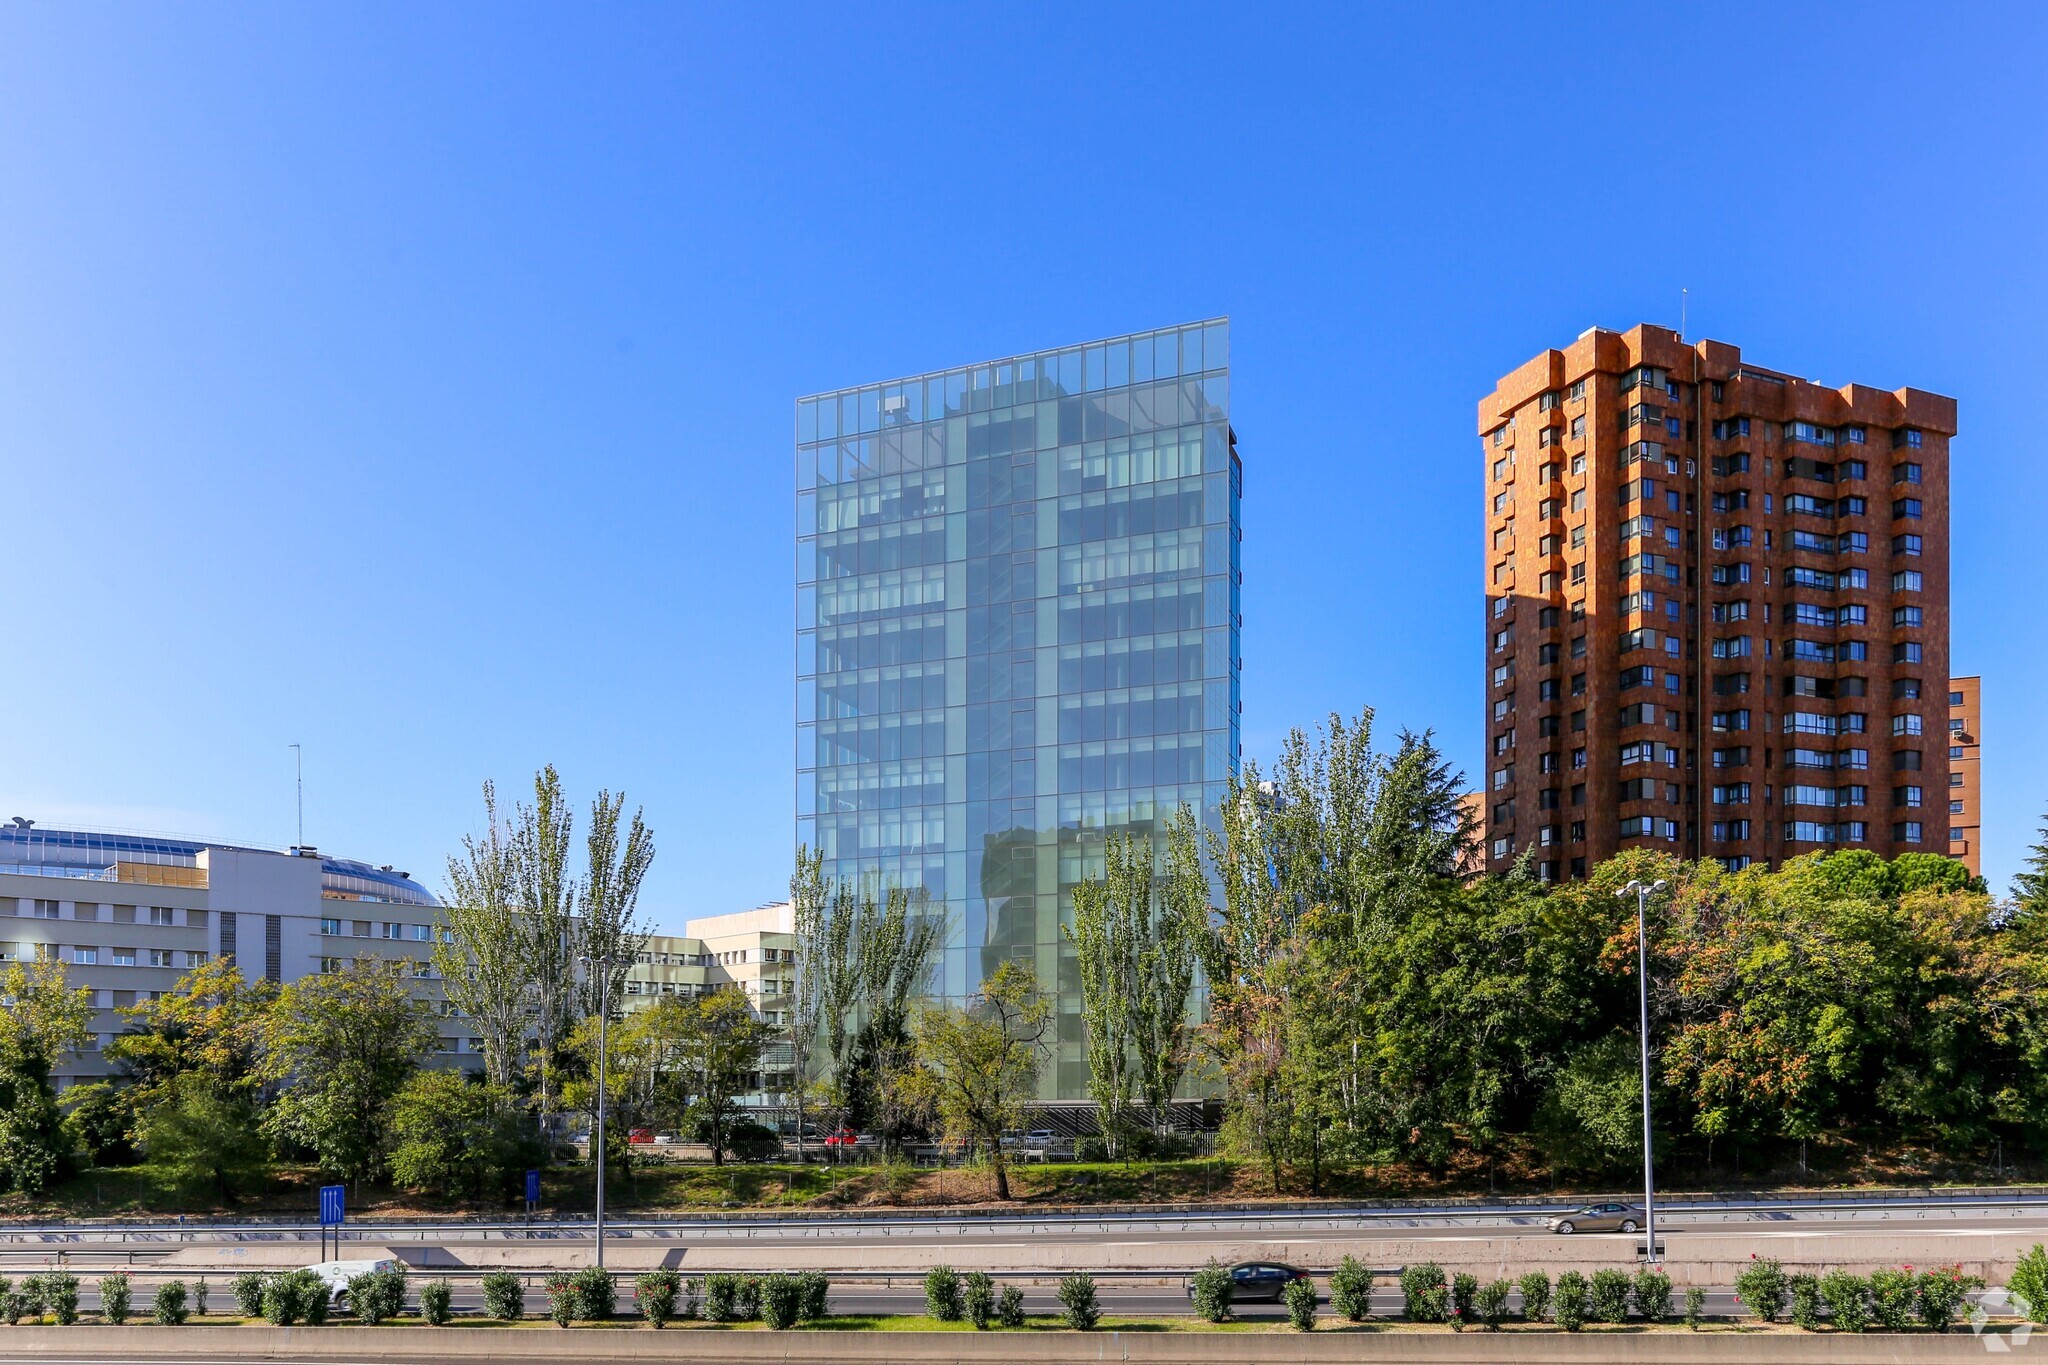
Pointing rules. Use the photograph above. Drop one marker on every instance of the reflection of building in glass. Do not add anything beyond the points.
(1017, 628)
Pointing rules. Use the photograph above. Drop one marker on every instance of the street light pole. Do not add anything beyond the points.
(604, 1015)
(1642, 894)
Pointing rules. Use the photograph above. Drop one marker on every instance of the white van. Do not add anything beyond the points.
(336, 1274)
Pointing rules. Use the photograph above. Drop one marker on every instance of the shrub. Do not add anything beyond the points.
(722, 1298)
(1492, 1304)
(393, 1284)
(782, 1302)
(60, 1292)
(314, 1297)
(1350, 1290)
(1570, 1301)
(1761, 1289)
(1609, 1296)
(1891, 1299)
(504, 1296)
(747, 1297)
(283, 1299)
(168, 1306)
(1695, 1307)
(2029, 1283)
(1301, 1304)
(1424, 1297)
(1848, 1299)
(817, 1295)
(1464, 1291)
(688, 1310)
(1941, 1295)
(1652, 1295)
(437, 1302)
(1077, 1298)
(563, 1300)
(942, 1294)
(980, 1300)
(1535, 1287)
(367, 1297)
(1010, 1307)
(248, 1291)
(199, 1297)
(32, 1297)
(596, 1294)
(12, 1303)
(657, 1292)
(116, 1295)
(1213, 1289)
(1805, 1302)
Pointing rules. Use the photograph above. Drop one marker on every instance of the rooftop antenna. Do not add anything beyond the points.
(299, 760)
(1682, 293)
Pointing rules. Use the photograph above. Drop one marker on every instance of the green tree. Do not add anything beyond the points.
(873, 953)
(340, 1046)
(41, 1019)
(804, 1011)
(202, 1137)
(482, 958)
(983, 1059)
(456, 1136)
(208, 1026)
(718, 1051)
(2030, 885)
(608, 924)
(546, 894)
(1134, 936)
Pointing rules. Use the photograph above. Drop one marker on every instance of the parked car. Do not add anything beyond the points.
(1599, 1218)
(844, 1139)
(1260, 1280)
(336, 1274)
(640, 1135)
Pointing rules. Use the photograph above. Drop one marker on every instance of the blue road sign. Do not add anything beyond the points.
(333, 1205)
(533, 1187)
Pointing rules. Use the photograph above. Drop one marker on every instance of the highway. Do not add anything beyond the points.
(1922, 1216)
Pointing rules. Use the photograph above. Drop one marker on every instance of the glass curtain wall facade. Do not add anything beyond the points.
(1017, 629)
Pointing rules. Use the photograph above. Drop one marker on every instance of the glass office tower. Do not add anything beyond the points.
(1017, 629)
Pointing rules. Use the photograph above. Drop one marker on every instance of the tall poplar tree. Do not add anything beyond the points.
(547, 899)
(482, 959)
(608, 923)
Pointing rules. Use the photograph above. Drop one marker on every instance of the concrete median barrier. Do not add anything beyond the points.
(993, 1348)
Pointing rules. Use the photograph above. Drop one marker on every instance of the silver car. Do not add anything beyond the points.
(1599, 1218)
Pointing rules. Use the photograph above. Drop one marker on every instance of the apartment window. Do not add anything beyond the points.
(1906, 580)
(1955, 751)
(1907, 653)
(1578, 758)
(1905, 473)
(329, 965)
(1908, 508)
(85, 956)
(1906, 438)
(1732, 794)
(1731, 831)
(330, 926)
(124, 957)
(197, 959)
(1500, 500)
(1906, 545)
(159, 957)
(45, 910)
(1906, 616)
(1906, 725)
(162, 914)
(1906, 689)
(1955, 779)
(1907, 831)
(1579, 684)
(1578, 464)
(1578, 500)
(1906, 761)
(1547, 690)
(1854, 469)
(1955, 808)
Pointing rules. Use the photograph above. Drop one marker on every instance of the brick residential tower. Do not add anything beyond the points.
(1717, 609)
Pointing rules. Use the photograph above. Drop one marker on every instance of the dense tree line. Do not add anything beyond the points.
(1369, 1002)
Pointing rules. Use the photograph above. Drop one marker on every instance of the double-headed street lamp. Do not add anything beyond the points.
(1642, 895)
(602, 964)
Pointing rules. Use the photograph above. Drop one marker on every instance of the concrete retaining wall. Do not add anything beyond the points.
(711, 1347)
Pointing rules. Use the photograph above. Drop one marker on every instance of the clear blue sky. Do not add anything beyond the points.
(415, 382)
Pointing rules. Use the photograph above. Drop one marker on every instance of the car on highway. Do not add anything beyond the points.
(336, 1274)
(1260, 1280)
(1598, 1218)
